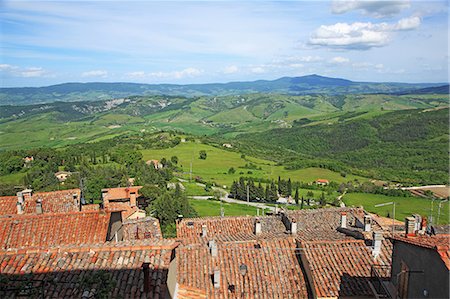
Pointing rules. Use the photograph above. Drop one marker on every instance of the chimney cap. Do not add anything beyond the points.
(344, 213)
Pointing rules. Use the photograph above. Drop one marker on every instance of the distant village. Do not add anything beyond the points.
(53, 245)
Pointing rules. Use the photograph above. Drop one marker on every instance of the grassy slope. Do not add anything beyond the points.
(212, 208)
(405, 206)
(218, 161)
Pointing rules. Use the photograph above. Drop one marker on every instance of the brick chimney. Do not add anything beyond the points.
(204, 230)
(367, 223)
(20, 198)
(133, 199)
(343, 219)
(377, 239)
(257, 227)
(39, 207)
(216, 279)
(410, 223)
(213, 248)
(293, 227)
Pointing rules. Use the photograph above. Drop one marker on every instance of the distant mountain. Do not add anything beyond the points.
(444, 89)
(312, 84)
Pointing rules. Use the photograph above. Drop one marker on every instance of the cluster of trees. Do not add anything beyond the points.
(246, 187)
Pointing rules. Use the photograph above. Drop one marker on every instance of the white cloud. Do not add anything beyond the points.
(27, 72)
(135, 75)
(368, 66)
(258, 70)
(184, 73)
(360, 36)
(32, 72)
(377, 9)
(339, 60)
(95, 73)
(231, 69)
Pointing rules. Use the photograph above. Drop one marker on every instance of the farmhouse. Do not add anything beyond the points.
(155, 163)
(123, 199)
(62, 175)
(322, 182)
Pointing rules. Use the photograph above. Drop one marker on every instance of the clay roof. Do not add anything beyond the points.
(70, 272)
(440, 243)
(120, 193)
(8, 205)
(273, 269)
(229, 227)
(323, 224)
(342, 268)
(322, 181)
(90, 207)
(53, 229)
(143, 228)
(52, 202)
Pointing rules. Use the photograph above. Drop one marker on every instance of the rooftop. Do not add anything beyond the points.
(53, 229)
(52, 202)
(342, 268)
(74, 272)
(120, 193)
(142, 228)
(273, 270)
(231, 228)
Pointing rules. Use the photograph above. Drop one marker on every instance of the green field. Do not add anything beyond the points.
(212, 208)
(405, 206)
(218, 162)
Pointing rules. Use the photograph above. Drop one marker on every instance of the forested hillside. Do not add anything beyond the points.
(406, 146)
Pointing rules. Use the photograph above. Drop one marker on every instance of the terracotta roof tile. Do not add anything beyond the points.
(59, 273)
(273, 269)
(52, 202)
(341, 268)
(233, 228)
(53, 229)
(143, 228)
(120, 193)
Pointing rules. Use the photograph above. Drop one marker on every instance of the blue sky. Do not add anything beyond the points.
(52, 42)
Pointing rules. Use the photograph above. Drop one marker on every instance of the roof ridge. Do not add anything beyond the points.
(70, 213)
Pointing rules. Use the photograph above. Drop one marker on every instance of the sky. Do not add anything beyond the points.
(183, 42)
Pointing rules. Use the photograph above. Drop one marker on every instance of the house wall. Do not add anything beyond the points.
(435, 276)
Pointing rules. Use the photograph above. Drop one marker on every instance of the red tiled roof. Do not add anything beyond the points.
(53, 229)
(341, 268)
(440, 243)
(273, 269)
(52, 202)
(8, 205)
(143, 228)
(322, 181)
(322, 224)
(90, 207)
(65, 270)
(228, 226)
(120, 193)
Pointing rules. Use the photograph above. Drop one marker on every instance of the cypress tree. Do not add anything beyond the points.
(296, 195)
(289, 187)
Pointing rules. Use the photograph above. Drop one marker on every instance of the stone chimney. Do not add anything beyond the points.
(410, 223)
(39, 207)
(19, 208)
(213, 248)
(343, 219)
(216, 279)
(377, 239)
(293, 227)
(204, 230)
(20, 197)
(417, 222)
(133, 199)
(257, 227)
(27, 193)
(367, 223)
